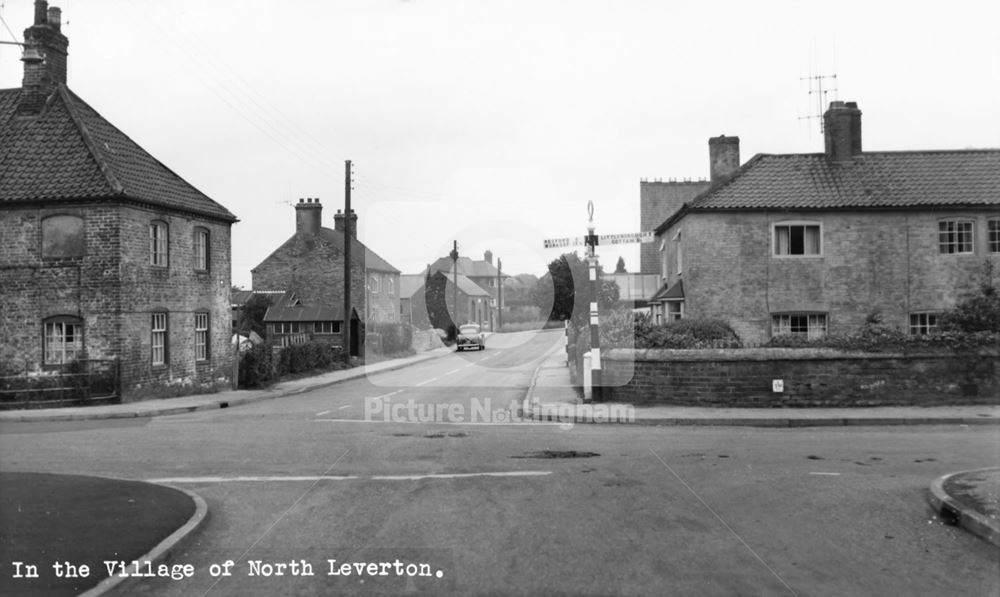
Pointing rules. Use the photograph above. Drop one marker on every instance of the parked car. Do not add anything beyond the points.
(469, 336)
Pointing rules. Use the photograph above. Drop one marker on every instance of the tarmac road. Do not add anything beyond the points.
(654, 511)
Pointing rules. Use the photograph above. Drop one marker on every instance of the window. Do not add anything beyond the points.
(390, 285)
(159, 338)
(63, 340)
(955, 236)
(326, 327)
(993, 235)
(675, 310)
(810, 325)
(923, 323)
(678, 255)
(802, 239)
(201, 336)
(62, 237)
(200, 249)
(373, 283)
(158, 245)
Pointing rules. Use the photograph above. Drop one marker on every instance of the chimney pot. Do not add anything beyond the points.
(55, 17)
(41, 12)
(339, 223)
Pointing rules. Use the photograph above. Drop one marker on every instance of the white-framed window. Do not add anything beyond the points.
(158, 243)
(810, 325)
(158, 338)
(923, 323)
(200, 247)
(63, 340)
(390, 285)
(373, 283)
(798, 239)
(993, 235)
(326, 327)
(675, 310)
(201, 336)
(955, 236)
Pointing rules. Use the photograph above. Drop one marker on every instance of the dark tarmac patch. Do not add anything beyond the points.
(814, 457)
(558, 454)
(441, 434)
(925, 460)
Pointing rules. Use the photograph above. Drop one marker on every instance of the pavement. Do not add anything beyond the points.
(227, 399)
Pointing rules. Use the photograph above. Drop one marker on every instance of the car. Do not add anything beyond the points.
(469, 336)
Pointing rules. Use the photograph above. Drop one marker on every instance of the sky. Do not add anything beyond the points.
(494, 123)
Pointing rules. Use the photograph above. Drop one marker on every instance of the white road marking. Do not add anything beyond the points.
(322, 413)
(426, 381)
(475, 424)
(454, 371)
(830, 474)
(345, 406)
(317, 478)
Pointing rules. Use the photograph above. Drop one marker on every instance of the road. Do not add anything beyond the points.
(637, 511)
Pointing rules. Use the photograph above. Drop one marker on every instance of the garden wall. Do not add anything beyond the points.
(811, 377)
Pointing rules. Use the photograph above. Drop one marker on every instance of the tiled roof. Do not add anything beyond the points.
(69, 152)
(286, 298)
(465, 284)
(300, 313)
(874, 180)
(669, 293)
(359, 252)
(409, 284)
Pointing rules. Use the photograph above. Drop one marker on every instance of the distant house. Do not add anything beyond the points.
(483, 274)
(311, 264)
(811, 244)
(106, 253)
(473, 300)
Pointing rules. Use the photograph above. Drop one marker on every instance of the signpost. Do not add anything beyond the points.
(591, 241)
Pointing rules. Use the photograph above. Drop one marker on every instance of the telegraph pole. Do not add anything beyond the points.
(499, 294)
(454, 290)
(346, 332)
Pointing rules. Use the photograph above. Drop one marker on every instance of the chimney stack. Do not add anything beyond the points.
(723, 157)
(842, 128)
(488, 256)
(338, 223)
(307, 216)
(45, 51)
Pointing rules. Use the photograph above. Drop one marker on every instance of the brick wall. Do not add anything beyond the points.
(113, 289)
(657, 201)
(886, 261)
(812, 378)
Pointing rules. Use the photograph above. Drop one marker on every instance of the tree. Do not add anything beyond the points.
(565, 291)
(620, 267)
(251, 316)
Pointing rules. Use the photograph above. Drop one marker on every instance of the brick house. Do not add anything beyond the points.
(813, 243)
(311, 265)
(105, 253)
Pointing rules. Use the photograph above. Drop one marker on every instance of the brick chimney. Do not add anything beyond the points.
(723, 157)
(488, 256)
(44, 58)
(307, 216)
(338, 222)
(842, 128)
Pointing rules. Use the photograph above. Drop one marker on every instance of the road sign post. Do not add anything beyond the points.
(594, 373)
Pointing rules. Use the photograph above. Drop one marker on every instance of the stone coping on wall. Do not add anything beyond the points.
(777, 354)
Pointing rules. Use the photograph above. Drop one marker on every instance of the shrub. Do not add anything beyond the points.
(299, 358)
(979, 312)
(626, 329)
(256, 367)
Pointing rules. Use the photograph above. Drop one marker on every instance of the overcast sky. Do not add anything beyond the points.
(495, 122)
